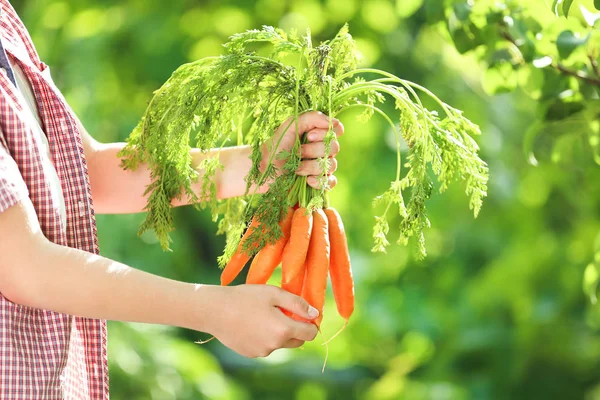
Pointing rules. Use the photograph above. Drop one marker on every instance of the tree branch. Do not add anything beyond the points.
(577, 74)
(594, 64)
(561, 68)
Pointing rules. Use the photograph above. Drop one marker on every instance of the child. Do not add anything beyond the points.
(55, 290)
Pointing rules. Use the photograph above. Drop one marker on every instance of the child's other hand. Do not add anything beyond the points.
(248, 319)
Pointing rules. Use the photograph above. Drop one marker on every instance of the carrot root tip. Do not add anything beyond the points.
(337, 333)
(204, 341)
(326, 351)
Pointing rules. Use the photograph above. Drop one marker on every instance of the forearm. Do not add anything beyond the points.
(37, 273)
(75, 282)
(117, 191)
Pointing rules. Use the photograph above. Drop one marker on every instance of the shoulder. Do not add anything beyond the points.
(15, 35)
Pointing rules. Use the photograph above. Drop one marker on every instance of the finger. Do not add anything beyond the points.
(317, 120)
(338, 127)
(318, 135)
(293, 343)
(305, 331)
(314, 182)
(317, 149)
(313, 167)
(294, 304)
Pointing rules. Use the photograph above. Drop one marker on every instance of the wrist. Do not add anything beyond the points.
(230, 181)
(207, 308)
(264, 161)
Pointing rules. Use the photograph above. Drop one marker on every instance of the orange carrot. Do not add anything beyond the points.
(269, 257)
(239, 259)
(317, 264)
(340, 271)
(295, 285)
(294, 253)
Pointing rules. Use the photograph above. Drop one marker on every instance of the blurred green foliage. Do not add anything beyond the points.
(496, 311)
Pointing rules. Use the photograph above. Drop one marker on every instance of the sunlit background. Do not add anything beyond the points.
(496, 311)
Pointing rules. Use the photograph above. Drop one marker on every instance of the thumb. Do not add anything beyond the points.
(313, 120)
(297, 305)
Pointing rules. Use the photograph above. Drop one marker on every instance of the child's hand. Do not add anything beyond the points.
(315, 125)
(248, 319)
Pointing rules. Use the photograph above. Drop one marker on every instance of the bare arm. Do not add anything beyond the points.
(37, 273)
(118, 191)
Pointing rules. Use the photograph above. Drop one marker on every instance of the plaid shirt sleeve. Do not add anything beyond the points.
(12, 185)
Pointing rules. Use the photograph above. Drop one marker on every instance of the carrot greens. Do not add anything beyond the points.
(241, 97)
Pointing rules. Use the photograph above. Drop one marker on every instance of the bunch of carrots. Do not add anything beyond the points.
(313, 246)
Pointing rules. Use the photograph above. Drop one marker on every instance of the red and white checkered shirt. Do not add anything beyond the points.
(43, 354)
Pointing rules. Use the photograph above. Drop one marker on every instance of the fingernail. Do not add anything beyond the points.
(313, 312)
(312, 137)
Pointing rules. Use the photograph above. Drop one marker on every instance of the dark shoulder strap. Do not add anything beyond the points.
(4, 64)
